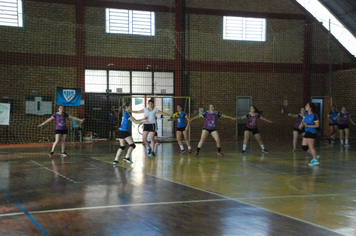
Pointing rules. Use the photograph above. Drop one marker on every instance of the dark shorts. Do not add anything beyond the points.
(334, 124)
(310, 135)
(149, 127)
(181, 129)
(300, 131)
(61, 131)
(343, 126)
(124, 134)
(254, 131)
(210, 130)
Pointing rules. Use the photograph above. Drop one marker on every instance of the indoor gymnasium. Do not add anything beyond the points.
(177, 117)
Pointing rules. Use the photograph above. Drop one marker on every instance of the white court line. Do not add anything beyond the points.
(113, 206)
(54, 172)
(235, 199)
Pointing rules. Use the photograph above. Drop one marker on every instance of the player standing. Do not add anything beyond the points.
(311, 123)
(182, 128)
(211, 119)
(251, 126)
(61, 129)
(125, 135)
(343, 117)
(333, 123)
(150, 126)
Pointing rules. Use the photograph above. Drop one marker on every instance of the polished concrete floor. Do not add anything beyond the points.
(252, 194)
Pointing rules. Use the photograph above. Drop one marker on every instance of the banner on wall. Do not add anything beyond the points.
(68, 96)
(4, 114)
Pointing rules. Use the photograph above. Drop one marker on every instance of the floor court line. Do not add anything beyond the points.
(33, 220)
(115, 206)
(63, 176)
(233, 199)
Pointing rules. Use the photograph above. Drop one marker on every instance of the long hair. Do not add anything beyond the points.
(256, 110)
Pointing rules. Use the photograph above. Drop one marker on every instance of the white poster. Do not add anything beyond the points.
(4, 113)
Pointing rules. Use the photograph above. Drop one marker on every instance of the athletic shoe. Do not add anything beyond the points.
(182, 151)
(314, 162)
(347, 145)
(243, 152)
(64, 154)
(157, 143)
(153, 154)
(190, 151)
(294, 150)
(115, 162)
(51, 155)
(149, 153)
(264, 150)
(127, 160)
(196, 153)
(220, 154)
(333, 141)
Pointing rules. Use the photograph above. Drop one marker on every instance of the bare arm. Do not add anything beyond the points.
(48, 120)
(229, 117)
(194, 118)
(352, 121)
(293, 115)
(264, 119)
(163, 113)
(140, 111)
(137, 121)
(75, 118)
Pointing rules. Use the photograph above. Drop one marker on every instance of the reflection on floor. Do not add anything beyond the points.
(252, 194)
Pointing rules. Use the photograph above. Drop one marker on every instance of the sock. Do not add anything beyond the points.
(346, 141)
(127, 156)
(116, 158)
(189, 147)
(181, 147)
(341, 141)
(262, 146)
(219, 149)
(244, 147)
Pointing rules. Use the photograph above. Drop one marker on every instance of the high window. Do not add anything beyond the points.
(243, 28)
(11, 13)
(119, 21)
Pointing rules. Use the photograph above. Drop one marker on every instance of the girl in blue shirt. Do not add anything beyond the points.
(311, 123)
(182, 128)
(125, 134)
(333, 123)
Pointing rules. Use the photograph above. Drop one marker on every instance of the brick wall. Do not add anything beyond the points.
(217, 70)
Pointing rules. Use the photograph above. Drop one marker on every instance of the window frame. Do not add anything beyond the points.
(14, 17)
(164, 78)
(129, 22)
(244, 33)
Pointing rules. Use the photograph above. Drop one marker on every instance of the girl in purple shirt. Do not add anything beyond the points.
(211, 119)
(251, 126)
(61, 129)
(296, 130)
(344, 117)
